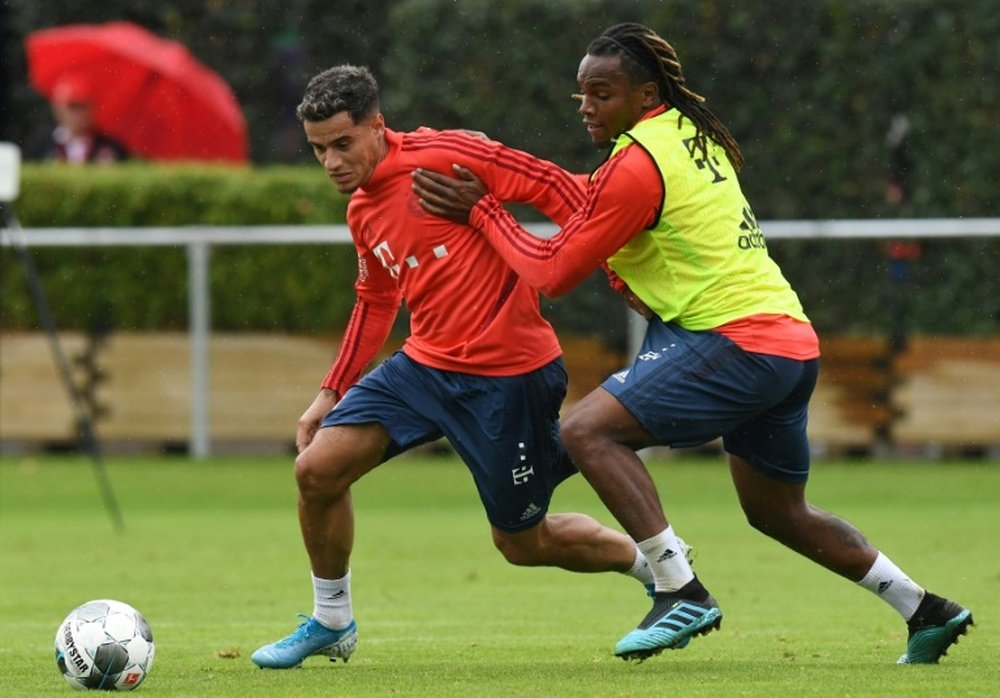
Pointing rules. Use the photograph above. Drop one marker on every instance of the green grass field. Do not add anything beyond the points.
(212, 557)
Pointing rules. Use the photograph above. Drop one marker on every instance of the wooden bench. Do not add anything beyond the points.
(260, 384)
(949, 393)
(940, 391)
(850, 407)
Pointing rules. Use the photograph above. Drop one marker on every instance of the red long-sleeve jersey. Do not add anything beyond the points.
(469, 311)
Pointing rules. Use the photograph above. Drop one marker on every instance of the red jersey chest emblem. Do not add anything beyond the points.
(397, 250)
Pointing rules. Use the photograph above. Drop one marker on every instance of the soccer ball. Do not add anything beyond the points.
(104, 644)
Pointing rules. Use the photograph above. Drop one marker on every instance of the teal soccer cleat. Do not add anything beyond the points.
(310, 638)
(936, 626)
(671, 624)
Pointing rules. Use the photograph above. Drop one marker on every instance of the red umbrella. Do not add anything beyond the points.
(149, 93)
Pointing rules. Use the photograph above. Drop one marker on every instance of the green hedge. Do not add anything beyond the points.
(137, 194)
(846, 286)
(853, 287)
(290, 288)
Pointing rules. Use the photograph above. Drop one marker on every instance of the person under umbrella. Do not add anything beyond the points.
(76, 138)
(150, 94)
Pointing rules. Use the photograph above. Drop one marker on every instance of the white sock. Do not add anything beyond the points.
(888, 582)
(665, 556)
(640, 569)
(332, 601)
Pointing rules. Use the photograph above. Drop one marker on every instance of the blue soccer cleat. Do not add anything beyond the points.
(936, 626)
(671, 624)
(310, 638)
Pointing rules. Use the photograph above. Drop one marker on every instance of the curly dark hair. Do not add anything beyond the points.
(349, 88)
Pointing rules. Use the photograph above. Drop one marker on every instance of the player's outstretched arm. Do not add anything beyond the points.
(511, 175)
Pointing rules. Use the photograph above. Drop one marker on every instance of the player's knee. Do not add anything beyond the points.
(316, 479)
(774, 521)
(575, 433)
(758, 521)
(305, 473)
(517, 549)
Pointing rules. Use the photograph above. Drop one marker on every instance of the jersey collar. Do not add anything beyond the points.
(393, 143)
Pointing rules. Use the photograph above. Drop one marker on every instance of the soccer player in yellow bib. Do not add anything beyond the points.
(728, 351)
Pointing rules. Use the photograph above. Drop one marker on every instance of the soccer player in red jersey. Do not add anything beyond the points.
(480, 366)
(728, 351)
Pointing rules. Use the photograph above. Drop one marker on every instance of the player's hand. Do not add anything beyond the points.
(313, 416)
(446, 196)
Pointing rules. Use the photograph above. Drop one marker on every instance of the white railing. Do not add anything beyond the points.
(199, 241)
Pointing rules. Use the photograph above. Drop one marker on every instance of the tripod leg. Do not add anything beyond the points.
(84, 422)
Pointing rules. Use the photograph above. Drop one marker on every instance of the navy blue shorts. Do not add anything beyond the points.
(505, 428)
(688, 388)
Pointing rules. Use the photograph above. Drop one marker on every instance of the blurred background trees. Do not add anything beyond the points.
(809, 89)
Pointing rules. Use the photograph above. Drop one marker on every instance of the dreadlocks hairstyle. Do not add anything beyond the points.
(647, 57)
